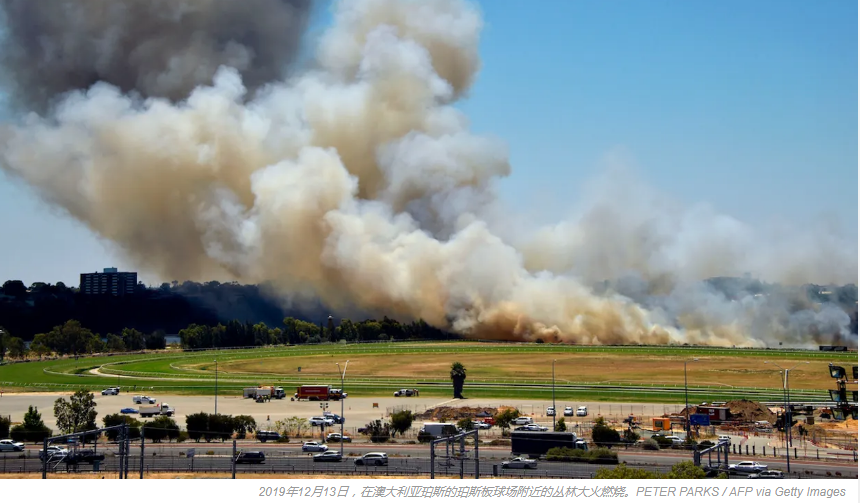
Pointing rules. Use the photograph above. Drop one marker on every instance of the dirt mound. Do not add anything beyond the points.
(749, 411)
(849, 427)
(445, 413)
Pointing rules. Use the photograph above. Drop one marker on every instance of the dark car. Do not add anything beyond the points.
(251, 457)
(84, 456)
(263, 436)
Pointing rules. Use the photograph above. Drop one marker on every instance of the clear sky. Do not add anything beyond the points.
(749, 106)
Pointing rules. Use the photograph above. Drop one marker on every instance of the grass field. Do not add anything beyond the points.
(378, 369)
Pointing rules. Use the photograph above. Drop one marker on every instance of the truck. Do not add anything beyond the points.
(161, 409)
(265, 392)
(439, 429)
(318, 393)
(537, 443)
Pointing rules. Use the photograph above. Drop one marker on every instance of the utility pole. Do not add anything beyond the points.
(786, 415)
(342, 375)
(686, 396)
(554, 413)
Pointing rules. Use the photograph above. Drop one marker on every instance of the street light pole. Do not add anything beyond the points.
(342, 375)
(786, 415)
(554, 413)
(686, 395)
(216, 387)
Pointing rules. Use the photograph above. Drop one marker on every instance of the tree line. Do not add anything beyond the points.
(71, 338)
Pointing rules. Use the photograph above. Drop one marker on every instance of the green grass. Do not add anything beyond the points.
(193, 372)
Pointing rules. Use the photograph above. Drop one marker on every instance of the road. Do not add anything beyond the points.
(403, 460)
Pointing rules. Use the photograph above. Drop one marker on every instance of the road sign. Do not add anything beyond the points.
(189, 453)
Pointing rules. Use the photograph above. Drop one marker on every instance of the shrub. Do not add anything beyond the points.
(183, 436)
(600, 455)
(705, 444)
(283, 440)
(5, 424)
(663, 442)
(500, 441)
(603, 435)
(651, 445)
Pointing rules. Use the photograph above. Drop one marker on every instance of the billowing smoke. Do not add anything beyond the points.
(357, 181)
(155, 47)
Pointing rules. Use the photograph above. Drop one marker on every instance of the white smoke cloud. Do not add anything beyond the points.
(359, 182)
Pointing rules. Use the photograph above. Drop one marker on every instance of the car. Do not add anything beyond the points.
(335, 438)
(522, 420)
(373, 458)
(748, 467)
(522, 463)
(143, 399)
(767, 474)
(675, 440)
(480, 425)
(582, 411)
(568, 411)
(406, 392)
(314, 447)
(263, 436)
(334, 417)
(251, 457)
(55, 452)
(110, 391)
(724, 438)
(128, 410)
(9, 445)
(531, 427)
(320, 421)
(84, 456)
(328, 456)
(550, 411)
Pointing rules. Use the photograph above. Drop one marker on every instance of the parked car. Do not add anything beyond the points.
(314, 447)
(251, 457)
(724, 438)
(319, 421)
(335, 438)
(9, 445)
(767, 474)
(263, 436)
(55, 452)
(747, 467)
(110, 391)
(406, 392)
(373, 458)
(550, 411)
(522, 463)
(328, 456)
(128, 410)
(334, 417)
(143, 399)
(568, 411)
(582, 411)
(522, 420)
(480, 425)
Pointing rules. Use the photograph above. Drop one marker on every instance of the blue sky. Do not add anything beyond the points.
(748, 106)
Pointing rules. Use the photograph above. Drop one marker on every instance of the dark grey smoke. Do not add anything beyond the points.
(162, 48)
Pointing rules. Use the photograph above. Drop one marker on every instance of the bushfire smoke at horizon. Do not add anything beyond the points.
(356, 180)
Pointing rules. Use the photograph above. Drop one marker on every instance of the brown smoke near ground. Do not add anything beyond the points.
(357, 181)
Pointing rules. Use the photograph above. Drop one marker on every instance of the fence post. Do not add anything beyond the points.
(233, 458)
(45, 458)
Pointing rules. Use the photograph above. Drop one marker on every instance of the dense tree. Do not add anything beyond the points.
(160, 428)
(197, 424)
(5, 424)
(16, 347)
(3, 347)
(401, 421)
(76, 414)
(378, 431)
(603, 435)
(458, 377)
(114, 344)
(32, 429)
(70, 338)
(120, 419)
(243, 425)
(504, 419)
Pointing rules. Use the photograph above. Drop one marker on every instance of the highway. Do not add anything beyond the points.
(403, 460)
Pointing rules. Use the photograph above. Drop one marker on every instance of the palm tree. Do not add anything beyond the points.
(458, 377)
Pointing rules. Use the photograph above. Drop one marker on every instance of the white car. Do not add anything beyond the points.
(522, 463)
(9, 445)
(767, 474)
(143, 399)
(318, 421)
(373, 459)
(748, 467)
(568, 411)
(480, 425)
(54, 452)
(532, 427)
(724, 438)
(582, 411)
(110, 391)
(522, 420)
(550, 411)
(314, 447)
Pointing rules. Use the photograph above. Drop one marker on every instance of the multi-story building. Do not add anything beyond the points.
(109, 282)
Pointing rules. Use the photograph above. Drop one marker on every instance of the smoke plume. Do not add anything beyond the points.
(160, 48)
(357, 180)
